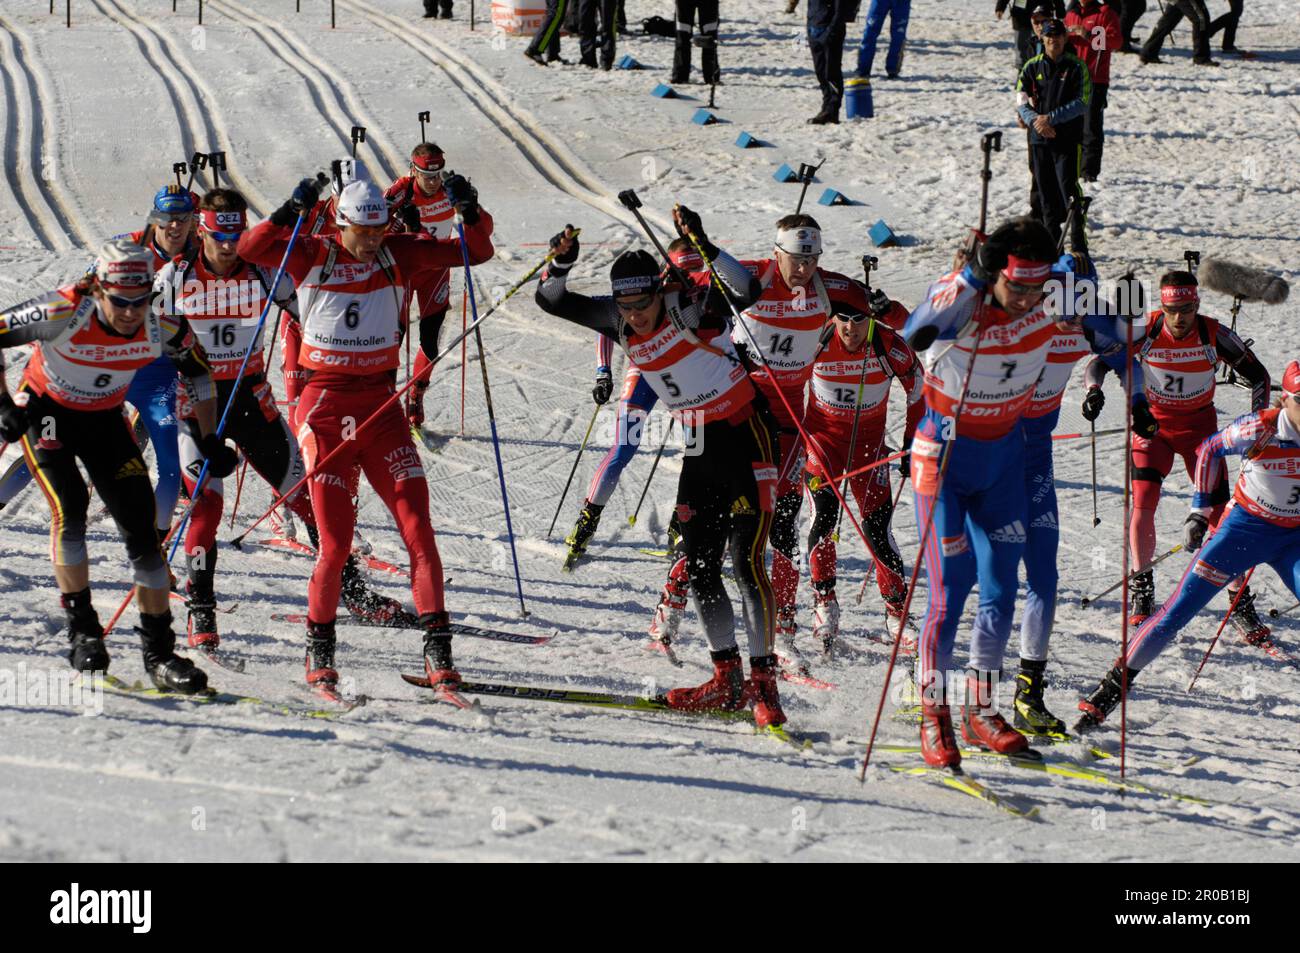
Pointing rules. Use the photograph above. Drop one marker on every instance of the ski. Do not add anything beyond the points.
(431, 441)
(223, 659)
(442, 693)
(224, 610)
(457, 628)
(779, 733)
(332, 695)
(302, 549)
(209, 696)
(571, 560)
(1274, 651)
(660, 553)
(568, 696)
(957, 780)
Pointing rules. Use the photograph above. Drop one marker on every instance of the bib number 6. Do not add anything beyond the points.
(352, 316)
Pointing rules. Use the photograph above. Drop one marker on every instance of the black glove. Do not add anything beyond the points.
(1093, 402)
(569, 257)
(991, 256)
(13, 419)
(305, 196)
(1144, 422)
(409, 216)
(1194, 528)
(880, 303)
(221, 459)
(905, 463)
(692, 224)
(603, 389)
(462, 195)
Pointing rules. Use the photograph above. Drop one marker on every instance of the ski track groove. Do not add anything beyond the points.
(58, 225)
(542, 151)
(189, 93)
(297, 55)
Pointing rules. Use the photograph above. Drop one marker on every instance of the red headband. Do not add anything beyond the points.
(1175, 295)
(688, 260)
(1291, 379)
(210, 220)
(433, 163)
(1026, 271)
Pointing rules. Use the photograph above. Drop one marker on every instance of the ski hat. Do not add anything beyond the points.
(173, 200)
(429, 163)
(1053, 27)
(345, 171)
(804, 240)
(634, 273)
(1291, 380)
(122, 263)
(222, 225)
(361, 203)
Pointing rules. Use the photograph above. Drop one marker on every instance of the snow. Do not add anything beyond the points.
(93, 118)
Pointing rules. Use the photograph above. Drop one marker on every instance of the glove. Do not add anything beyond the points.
(604, 387)
(688, 221)
(879, 303)
(1093, 403)
(13, 419)
(569, 257)
(409, 216)
(462, 195)
(221, 459)
(304, 198)
(991, 255)
(1194, 528)
(905, 463)
(1144, 422)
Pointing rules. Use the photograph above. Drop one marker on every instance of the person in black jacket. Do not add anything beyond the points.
(1175, 10)
(1130, 12)
(826, 27)
(1022, 13)
(1053, 95)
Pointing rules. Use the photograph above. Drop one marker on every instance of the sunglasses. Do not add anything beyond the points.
(1180, 309)
(223, 236)
(802, 261)
(427, 173)
(172, 218)
(118, 301)
(1016, 288)
(635, 304)
(853, 317)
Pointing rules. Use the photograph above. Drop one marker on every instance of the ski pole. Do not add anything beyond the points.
(1278, 613)
(423, 117)
(197, 161)
(1089, 600)
(492, 417)
(631, 520)
(1095, 518)
(1226, 616)
(816, 483)
(569, 482)
(806, 174)
(238, 541)
(239, 491)
(464, 299)
(1134, 313)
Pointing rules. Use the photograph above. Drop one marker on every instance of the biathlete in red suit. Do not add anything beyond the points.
(351, 294)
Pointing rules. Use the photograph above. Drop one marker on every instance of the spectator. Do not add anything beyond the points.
(1022, 16)
(1228, 24)
(437, 8)
(545, 45)
(1095, 32)
(826, 29)
(1131, 11)
(1053, 94)
(687, 12)
(898, 11)
(598, 32)
(1175, 10)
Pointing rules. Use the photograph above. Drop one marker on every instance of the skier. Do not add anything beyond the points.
(1261, 527)
(1180, 352)
(91, 338)
(352, 291)
(847, 406)
(727, 490)
(997, 338)
(221, 296)
(1081, 327)
(1175, 10)
(634, 406)
(420, 197)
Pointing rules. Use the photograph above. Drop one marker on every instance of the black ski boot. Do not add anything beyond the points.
(370, 606)
(583, 530)
(166, 669)
(1103, 700)
(87, 652)
(1142, 595)
(438, 664)
(320, 656)
(1247, 621)
(201, 622)
(1032, 716)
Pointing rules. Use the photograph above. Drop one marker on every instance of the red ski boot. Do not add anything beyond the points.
(767, 700)
(981, 725)
(938, 743)
(725, 690)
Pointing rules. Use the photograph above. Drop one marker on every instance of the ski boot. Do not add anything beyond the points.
(826, 619)
(368, 605)
(438, 666)
(583, 530)
(1142, 603)
(1103, 700)
(1246, 620)
(1032, 716)
(786, 628)
(166, 669)
(201, 621)
(725, 690)
(319, 662)
(415, 406)
(762, 688)
(672, 605)
(981, 725)
(87, 651)
(894, 613)
(676, 542)
(938, 743)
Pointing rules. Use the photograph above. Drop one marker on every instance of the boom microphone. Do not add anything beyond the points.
(1249, 284)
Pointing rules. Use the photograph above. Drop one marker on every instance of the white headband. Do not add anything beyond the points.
(800, 241)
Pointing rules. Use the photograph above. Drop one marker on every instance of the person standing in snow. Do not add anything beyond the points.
(1095, 33)
(1022, 17)
(898, 12)
(827, 23)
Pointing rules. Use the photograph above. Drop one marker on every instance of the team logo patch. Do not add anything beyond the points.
(1211, 575)
(1045, 521)
(132, 468)
(954, 545)
(1011, 533)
